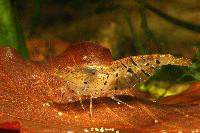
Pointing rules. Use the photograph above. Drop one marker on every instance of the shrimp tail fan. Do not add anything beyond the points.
(134, 70)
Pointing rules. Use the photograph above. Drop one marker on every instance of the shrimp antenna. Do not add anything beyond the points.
(81, 102)
(120, 101)
(91, 107)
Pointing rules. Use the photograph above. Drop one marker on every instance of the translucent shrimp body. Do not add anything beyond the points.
(99, 80)
(90, 72)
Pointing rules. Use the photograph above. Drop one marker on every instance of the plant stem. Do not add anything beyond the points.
(36, 17)
(138, 44)
(144, 22)
(181, 23)
(144, 25)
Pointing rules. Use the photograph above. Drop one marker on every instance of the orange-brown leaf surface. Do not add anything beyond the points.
(27, 87)
(190, 96)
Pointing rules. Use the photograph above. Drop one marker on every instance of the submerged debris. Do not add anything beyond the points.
(43, 96)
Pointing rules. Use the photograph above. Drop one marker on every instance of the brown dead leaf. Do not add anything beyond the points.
(190, 96)
(27, 87)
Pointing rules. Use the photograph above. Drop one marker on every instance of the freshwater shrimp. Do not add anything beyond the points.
(97, 80)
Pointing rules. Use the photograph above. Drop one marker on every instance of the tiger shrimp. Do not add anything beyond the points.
(92, 76)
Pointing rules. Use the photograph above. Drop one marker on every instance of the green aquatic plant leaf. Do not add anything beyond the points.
(11, 34)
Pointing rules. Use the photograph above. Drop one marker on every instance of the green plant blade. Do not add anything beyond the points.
(11, 34)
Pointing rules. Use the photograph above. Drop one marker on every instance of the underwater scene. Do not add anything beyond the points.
(99, 66)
